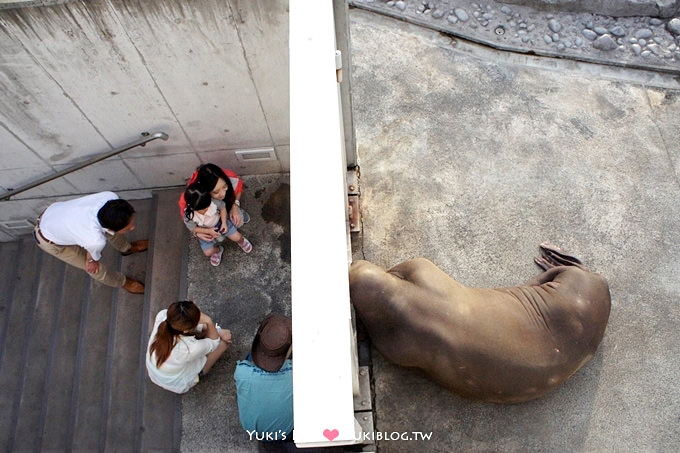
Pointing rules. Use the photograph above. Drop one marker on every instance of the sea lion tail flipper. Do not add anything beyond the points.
(559, 257)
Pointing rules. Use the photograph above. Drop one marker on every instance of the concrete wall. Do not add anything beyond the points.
(82, 78)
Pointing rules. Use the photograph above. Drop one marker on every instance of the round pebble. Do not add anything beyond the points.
(605, 42)
(401, 5)
(437, 13)
(655, 21)
(600, 30)
(643, 33)
(636, 49)
(547, 39)
(618, 31)
(505, 9)
(673, 26)
(461, 14)
(555, 37)
(589, 34)
(452, 19)
(554, 26)
(642, 42)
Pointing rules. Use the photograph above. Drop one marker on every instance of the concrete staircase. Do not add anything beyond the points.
(72, 373)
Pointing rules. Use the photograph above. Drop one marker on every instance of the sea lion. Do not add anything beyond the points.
(503, 345)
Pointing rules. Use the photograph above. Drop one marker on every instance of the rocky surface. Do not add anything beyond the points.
(638, 41)
(657, 8)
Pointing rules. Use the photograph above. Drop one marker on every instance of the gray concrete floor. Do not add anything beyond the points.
(471, 158)
(238, 295)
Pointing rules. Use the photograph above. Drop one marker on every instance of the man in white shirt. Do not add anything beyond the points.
(76, 231)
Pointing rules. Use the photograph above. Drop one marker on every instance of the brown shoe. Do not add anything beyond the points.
(137, 246)
(133, 286)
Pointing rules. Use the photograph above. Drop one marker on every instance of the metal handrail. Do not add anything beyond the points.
(147, 137)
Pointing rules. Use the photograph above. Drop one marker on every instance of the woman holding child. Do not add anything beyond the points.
(211, 209)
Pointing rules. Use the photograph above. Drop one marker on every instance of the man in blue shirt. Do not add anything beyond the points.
(264, 382)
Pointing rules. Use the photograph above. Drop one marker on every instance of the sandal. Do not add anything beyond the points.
(216, 258)
(245, 245)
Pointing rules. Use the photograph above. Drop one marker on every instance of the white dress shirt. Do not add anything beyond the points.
(74, 222)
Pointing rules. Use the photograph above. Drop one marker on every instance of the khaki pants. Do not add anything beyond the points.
(76, 256)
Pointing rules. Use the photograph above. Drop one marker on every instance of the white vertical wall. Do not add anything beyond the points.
(322, 326)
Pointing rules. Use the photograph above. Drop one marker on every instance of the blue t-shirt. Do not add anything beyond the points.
(265, 400)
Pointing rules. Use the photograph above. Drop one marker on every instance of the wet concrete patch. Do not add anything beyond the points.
(277, 210)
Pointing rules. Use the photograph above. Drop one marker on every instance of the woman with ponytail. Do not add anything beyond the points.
(185, 343)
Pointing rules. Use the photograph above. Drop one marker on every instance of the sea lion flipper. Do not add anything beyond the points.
(543, 263)
(559, 257)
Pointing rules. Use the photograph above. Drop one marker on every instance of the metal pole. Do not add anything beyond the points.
(141, 142)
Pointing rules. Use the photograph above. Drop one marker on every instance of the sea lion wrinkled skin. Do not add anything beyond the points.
(504, 345)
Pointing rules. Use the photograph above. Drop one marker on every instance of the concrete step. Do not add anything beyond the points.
(160, 413)
(72, 374)
(19, 319)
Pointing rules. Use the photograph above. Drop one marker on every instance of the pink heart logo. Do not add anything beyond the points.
(330, 434)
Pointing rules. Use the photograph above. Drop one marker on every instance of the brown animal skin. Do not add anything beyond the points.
(504, 345)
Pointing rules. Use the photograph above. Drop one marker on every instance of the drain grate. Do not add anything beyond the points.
(260, 154)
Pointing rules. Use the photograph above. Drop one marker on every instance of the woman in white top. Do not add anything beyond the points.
(184, 345)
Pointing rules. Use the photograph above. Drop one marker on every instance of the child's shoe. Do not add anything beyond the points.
(245, 245)
(216, 258)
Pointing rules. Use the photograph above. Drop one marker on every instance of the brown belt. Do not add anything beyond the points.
(44, 238)
(37, 230)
